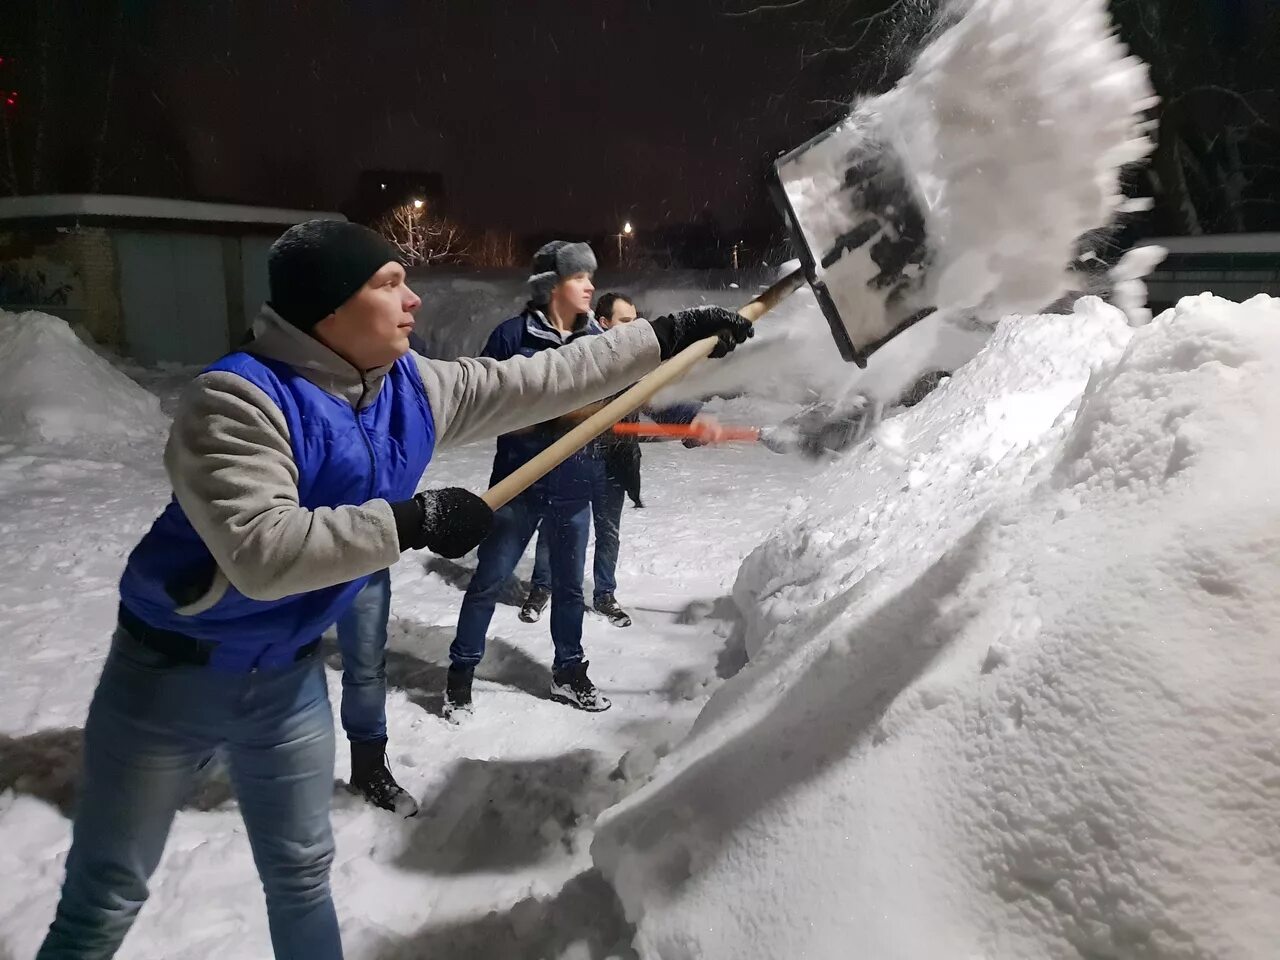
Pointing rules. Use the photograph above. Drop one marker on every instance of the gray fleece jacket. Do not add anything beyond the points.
(233, 473)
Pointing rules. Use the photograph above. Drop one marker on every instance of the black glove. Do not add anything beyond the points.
(686, 327)
(451, 522)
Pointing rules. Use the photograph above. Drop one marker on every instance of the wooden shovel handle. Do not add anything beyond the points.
(515, 483)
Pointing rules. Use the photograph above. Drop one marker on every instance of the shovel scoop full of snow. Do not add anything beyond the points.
(965, 188)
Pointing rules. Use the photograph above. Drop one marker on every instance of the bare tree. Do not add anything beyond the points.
(12, 182)
(43, 20)
(423, 238)
(1218, 123)
(95, 181)
(496, 248)
(56, 136)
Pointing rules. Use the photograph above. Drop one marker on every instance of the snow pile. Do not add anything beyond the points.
(1015, 678)
(55, 389)
(1011, 131)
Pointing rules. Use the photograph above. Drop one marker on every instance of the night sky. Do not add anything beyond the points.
(571, 114)
(543, 116)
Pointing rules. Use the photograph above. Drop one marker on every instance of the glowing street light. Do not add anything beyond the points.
(417, 204)
(626, 232)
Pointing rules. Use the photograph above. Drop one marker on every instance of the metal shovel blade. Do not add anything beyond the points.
(858, 227)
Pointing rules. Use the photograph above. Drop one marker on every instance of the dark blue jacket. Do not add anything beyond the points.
(525, 335)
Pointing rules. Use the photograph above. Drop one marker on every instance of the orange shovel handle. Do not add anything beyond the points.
(686, 431)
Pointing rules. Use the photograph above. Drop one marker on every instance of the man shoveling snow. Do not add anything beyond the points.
(294, 464)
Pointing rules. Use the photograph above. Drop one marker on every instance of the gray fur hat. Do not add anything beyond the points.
(552, 263)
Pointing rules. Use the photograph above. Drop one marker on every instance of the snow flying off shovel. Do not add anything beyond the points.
(858, 228)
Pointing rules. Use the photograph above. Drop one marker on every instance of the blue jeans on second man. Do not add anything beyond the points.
(362, 639)
(566, 525)
(607, 498)
(151, 726)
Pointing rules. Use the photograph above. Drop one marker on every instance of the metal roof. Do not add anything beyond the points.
(64, 206)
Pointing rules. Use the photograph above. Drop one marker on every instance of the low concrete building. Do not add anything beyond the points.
(172, 281)
(1235, 266)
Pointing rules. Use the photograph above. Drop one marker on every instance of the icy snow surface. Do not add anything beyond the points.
(1014, 682)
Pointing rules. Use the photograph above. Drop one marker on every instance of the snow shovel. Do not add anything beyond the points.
(815, 433)
(858, 227)
(687, 431)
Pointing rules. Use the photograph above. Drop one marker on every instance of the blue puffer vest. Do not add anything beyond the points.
(525, 335)
(343, 457)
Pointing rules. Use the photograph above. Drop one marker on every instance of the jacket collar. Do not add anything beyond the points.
(538, 326)
(275, 339)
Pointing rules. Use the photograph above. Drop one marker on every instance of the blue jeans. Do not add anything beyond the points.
(151, 726)
(607, 498)
(567, 524)
(362, 638)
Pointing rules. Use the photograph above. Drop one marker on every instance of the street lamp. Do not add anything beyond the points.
(626, 232)
(417, 204)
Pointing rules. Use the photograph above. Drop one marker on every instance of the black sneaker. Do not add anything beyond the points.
(457, 692)
(609, 607)
(534, 604)
(371, 777)
(572, 686)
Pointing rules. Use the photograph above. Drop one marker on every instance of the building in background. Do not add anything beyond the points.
(160, 280)
(1235, 266)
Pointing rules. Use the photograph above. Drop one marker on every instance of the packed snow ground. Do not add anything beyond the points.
(497, 864)
(1014, 689)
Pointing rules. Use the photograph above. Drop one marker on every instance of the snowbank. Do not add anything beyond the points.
(1014, 682)
(55, 389)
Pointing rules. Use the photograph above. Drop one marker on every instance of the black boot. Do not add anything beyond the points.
(534, 604)
(457, 692)
(608, 605)
(371, 777)
(572, 686)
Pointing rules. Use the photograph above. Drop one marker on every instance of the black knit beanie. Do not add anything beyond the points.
(317, 266)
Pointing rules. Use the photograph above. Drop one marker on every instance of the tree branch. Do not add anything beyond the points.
(766, 8)
(866, 23)
(1230, 94)
(15, 188)
(96, 180)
